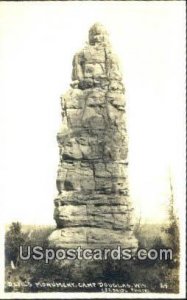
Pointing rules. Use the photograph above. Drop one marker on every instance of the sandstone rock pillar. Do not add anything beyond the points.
(93, 207)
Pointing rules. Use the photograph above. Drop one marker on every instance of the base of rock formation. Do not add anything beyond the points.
(92, 238)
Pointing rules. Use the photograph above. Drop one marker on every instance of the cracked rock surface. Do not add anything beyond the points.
(93, 206)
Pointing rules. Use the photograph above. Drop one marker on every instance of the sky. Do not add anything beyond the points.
(37, 43)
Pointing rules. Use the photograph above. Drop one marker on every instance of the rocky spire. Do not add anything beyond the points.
(93, 206)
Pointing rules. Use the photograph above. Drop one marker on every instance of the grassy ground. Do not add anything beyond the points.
(108, 276)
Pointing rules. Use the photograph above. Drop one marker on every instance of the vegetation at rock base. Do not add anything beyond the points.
(26, 276)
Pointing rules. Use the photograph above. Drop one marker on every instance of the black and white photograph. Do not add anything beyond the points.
(92, 149)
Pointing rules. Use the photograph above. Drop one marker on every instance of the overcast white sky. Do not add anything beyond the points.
(37, 44)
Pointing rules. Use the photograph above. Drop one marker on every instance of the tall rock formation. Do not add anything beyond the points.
(93, 207)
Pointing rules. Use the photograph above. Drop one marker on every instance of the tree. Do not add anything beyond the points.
(173, 228)
(13, 240)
